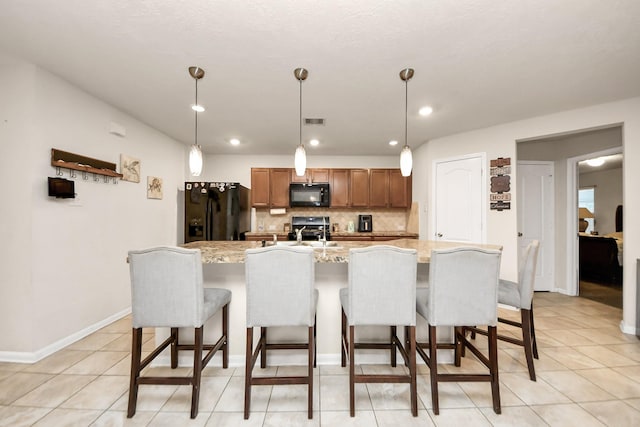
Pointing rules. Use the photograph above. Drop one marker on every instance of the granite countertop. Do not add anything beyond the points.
(232, 252)
(399, 234)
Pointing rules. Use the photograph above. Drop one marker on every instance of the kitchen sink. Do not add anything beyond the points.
(312, 243)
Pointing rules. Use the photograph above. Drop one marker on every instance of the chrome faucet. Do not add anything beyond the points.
(299, 234)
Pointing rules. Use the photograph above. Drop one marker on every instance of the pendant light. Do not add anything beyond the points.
(300, 159)
(195, 154)
(406, 159)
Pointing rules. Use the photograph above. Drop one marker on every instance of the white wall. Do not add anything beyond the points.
(67, 258)
(608, 195)
(501, 141)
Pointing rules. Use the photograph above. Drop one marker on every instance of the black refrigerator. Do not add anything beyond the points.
(216, 211)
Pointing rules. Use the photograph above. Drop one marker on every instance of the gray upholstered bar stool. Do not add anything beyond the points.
(382, 291)
(280, 292)
(167, 291)
(520, 296)
(463, 291)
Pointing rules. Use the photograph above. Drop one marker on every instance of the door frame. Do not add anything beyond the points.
(573, 276)
(483, 189)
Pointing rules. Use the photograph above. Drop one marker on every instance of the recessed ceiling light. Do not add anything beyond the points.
(425, 111)
(393, 143)
(314, 142)
(595, 162)
(234, 141)
(198, 108)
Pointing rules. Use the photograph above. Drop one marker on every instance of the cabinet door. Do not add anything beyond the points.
(399, 189)
(319, 175)
(379, 188)
(259, 187)
(339, 188)
(279, 187)
(359, 188)
(304, 178)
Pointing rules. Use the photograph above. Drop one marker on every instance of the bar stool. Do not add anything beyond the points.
(280, 292)
(520, 296)
(463, 290)
(382, 291)
(167, 291)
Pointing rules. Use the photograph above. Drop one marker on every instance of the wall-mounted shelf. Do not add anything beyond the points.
(71, 161)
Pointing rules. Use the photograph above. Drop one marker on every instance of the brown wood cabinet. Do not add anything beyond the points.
(399, 189)
(311, 175)
(359, 188)
(379, 188)
(339, 187)
(260, 187)
(350, 188)
(279, 180)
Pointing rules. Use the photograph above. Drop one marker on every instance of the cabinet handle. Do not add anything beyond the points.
(519, 234)
(439, 234)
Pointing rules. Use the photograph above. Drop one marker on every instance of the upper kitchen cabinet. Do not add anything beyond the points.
(389, 189)
(311, 175)
(339, 187)
(359, 184)
(260, 187)
(399, 189)
(279, 180)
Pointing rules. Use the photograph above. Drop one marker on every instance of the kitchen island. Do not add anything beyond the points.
(223, 267)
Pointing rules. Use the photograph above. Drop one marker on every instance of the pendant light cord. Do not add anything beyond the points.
(300, 124)
(406, 107)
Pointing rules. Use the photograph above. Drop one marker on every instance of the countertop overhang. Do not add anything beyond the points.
(232, 252)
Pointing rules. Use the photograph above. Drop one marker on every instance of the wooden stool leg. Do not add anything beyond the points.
(433, 368)
(310, 371)
(527, 344)
(263, 349)
(352, 372)
(533, 334)
(413, 386)
(136, 353)
(225, 332)
(392, 338)
(174, 348)
(343, 350)
(315, 347)
(197, 371)
(493, 362)
(248, 373)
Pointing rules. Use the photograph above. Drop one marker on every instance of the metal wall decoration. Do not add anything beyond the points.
(500, 196)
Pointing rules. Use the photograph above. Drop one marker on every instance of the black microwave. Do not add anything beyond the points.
(309, 195)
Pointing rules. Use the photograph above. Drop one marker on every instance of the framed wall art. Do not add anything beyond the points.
(130, 168)
(154, 187)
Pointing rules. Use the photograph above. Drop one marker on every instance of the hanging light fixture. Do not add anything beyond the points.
(406, 159)
(195, 154)
(300, 159)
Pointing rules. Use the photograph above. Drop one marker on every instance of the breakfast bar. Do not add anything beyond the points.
(223, 267)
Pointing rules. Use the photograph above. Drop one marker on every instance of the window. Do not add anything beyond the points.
(586, 199)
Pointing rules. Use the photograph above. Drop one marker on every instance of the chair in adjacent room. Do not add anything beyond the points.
(280, 292)
(463, 291)
(167, 291)
(520, 296)
(382, 291)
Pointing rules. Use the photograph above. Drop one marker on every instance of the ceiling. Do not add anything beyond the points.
(477, 63)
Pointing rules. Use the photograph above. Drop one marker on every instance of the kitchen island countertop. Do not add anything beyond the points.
(232, 252)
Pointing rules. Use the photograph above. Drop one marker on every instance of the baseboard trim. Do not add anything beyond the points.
(628, 329)
(35, 356)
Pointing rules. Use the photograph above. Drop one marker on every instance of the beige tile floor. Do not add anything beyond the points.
(588, 375)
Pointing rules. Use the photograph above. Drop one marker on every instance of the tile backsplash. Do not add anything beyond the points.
(383, 219)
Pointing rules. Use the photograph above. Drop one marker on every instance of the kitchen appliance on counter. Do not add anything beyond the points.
(313, 195)
(313, 227)
(216, 211)
(365, 223)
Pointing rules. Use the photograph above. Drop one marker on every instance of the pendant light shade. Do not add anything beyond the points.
(195, 154)
(300, 159)
(195, 160)
(406, 158)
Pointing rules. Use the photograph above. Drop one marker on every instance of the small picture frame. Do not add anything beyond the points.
(154, 187)
(287, 227)
(130, 168)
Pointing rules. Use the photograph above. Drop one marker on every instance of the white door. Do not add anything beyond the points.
(459, 193)
(536, 217)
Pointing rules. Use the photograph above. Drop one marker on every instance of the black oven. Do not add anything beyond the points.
(309, 195)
